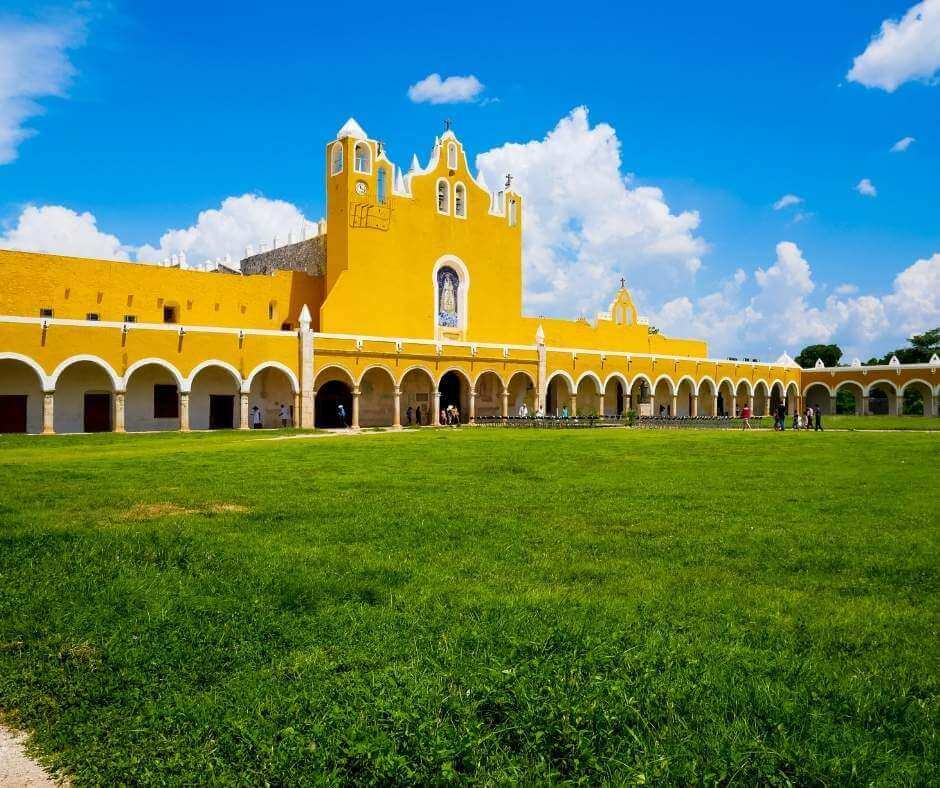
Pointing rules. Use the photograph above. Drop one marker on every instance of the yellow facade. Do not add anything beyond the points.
(423, 277)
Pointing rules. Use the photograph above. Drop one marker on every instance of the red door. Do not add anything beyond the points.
(97, 413)
(13, 413)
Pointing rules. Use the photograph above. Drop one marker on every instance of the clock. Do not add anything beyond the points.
(362, 187)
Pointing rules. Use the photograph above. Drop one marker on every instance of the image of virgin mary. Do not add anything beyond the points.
(447, 287)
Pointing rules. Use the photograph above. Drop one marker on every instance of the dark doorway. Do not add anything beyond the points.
(13, 413)
(329, 397)
(721, 405)
(450, 393)
(878, 402)
(550, 399)
(97, 413)
(221, 411)
(619, 399)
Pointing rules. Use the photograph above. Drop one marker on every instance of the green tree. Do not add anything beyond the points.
(922, 347)
(830, 355)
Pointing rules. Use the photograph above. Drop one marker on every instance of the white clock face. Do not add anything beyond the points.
(362, 187)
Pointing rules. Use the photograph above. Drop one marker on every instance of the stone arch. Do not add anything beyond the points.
(707, 397)
(818, 395)
(522, 389)
(334, 386)
(84, 395)
(489, 370)
(589, 389)
(151, 401)
(334, 372)
(777, 395)
(377, 386)
(726, 397)
(616, 394)
(792, 397)
(264, 365)
(847, 388)
(214, 389)
(685, 391)
(663, 392)
(761, 398)
(917, 398)
(488, 387)
(641, 394)
(453, 386)
(558, 397)
(417, 386)
(22, 383)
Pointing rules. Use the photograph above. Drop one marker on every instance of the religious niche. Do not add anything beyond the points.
(448, 290)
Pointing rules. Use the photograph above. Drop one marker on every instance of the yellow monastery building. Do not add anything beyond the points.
(409, 297)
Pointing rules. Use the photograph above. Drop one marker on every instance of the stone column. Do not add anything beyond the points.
(243, 412)
(505, 405)
(48, 412)
(296, 420)
(355, 413)
(184, 411)
(936, 406)
(574, 405)
(750, 403)
(307, 393)
(473, 406)
(715, 406)
(832, 406)
(864, 406)
(436, 414)
(542, 377)
(674, 409)
(693, 409)
(600, 405)
(396, 415)
(899, 405)
(119, 411)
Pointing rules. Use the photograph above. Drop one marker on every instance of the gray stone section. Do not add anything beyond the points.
(308, 256)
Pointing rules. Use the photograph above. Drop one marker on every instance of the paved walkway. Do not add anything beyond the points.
(16, 768)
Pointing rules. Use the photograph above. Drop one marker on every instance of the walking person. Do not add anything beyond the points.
(782, 416)
(817, 414)
(256, 418)
(409, 414)
(808, 418)
(418, 415)
(746, 417)
(341, 414)
(284, 415)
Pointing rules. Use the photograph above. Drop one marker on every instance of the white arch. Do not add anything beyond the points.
(44, 382)
(483, 372)
(672, 385)
(592, 376)
(460, 189)
(762, 382)
(746, 382)
(572, 388)
(808, 386)
(452, 261)
(778, 382)
(115, 378)
(623, 381)
(520, 372)
(294, 383)
(412, 368)
(383, 368)
(876, 383)
(157, 362)
(213, 362)
(923, 382)
(437, 196)
(848, 382)
(336, 158)
(362, 144)
(730, 383)
(351, 378)
(691, 383)
(707, 379)
(459, 371)
(639, 376)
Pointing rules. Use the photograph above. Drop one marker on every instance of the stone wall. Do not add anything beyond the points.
(308, 256)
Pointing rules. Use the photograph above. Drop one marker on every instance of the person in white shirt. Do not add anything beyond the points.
(284, 414)
(256, 418)
(523, 410)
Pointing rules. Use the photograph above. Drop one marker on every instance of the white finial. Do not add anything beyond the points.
(856, 362)
(304, 319)
(894, 362)
(228, 258)
(351, 129)
(539, 336)
(819, 364)
(399, 181)
(415, 165)
(934, 360)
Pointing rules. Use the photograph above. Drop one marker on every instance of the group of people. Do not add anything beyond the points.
(448, 416)
(257, 417)
(811, 419)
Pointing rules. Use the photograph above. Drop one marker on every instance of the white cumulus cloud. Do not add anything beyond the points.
(902, 51)
(228, 229)
(866, 188)
(585, 224)
(34, 65)
(786, 201)
(452, 90)
(59, 230)
(902, 145)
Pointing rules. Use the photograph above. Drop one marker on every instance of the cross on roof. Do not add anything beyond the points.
(446, 124)
(623, 284)
(508, 179)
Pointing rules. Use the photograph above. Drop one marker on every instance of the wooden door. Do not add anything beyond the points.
(13, 412)
(221, 411)
(97, 413)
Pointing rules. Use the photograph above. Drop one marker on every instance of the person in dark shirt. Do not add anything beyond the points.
(817, 413)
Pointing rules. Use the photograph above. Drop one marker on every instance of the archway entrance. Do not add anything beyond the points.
(20, 397)
(83, 401)
(271, 391)
(377, 398)
(878, 402)
(641, 397)
(521, 390)
(454, 391)
(417, 394)
(214, 399)
(329, 397)
(151, 401)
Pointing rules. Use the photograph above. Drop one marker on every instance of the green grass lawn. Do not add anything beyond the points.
(881, 423)
(475, 605)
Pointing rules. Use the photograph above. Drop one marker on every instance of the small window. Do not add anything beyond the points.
(45, 312)
(287, 326)
(381, 186)
(171, 314)
(166, 402)
(460, 201)
(512, 213)
(272, 308)
(443, 197)
(452, 156)
(362, 161)
(130, 318)
(92, 316)
(336, 159)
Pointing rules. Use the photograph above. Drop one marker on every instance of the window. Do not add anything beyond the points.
(130, 318)
(166, 403)
(381, 186)
(512, 213)
(362, 160)
(336, 159)
(170, 314)
(452, 156)
(272, 308)
(91, 316)
(45, 312)
(460, 201)
(443, 197)
(287, 326)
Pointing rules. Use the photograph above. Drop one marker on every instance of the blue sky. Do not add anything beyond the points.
(166, 109)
